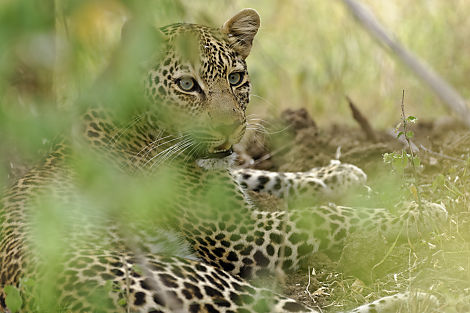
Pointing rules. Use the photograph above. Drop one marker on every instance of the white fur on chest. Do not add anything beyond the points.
(217, 164)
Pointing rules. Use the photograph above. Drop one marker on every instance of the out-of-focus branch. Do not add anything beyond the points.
(60, 79)
(445, 91)
(362, 121)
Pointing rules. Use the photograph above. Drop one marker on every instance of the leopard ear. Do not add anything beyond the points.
(241, 29)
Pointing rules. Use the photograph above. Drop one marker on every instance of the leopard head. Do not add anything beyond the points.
(199, 89)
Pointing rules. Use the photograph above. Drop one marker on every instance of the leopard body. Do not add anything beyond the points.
(209, 240)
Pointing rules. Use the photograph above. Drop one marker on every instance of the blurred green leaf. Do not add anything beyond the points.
(13, 299)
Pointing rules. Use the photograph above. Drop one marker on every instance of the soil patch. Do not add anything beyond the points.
(369, 268)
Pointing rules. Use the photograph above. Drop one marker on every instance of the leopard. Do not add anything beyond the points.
(209, 240)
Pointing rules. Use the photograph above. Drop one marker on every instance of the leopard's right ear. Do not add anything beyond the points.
(241, 29)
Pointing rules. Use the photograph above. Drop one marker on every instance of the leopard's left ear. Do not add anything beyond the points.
(241, 29)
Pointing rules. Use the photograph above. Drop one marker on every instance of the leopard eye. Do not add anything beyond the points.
(235, 78)
(187, 83)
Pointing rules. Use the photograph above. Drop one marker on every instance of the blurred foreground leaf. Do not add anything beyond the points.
(13, 299)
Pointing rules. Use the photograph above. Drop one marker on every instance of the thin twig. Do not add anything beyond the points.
(405, 135)
(307, 291)
(441, 155)
(405, 124)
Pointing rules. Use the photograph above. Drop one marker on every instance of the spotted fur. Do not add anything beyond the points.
(199, 255)
(331, 180)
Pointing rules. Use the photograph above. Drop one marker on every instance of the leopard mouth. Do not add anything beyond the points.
(219, 154)
(221, 151)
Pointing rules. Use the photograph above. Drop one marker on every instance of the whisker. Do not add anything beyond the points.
(182, 149)
(152, 143)
(161, 152)
(155, 147)
(173, 148)
(166, 156)
(263, 99)
(259, 121)
(256, 120)
(262, 131)
(255, 124)
(258, 127)
(152, 146)
(261, 128)
(173, 152)
(123, 130)
(192, 152)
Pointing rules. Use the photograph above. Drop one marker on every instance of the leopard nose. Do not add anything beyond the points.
(227, 129)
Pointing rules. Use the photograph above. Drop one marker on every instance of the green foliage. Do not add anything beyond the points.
(440, 182)
(407, 134)
(307, 53)
(400, 160)
(13, 299)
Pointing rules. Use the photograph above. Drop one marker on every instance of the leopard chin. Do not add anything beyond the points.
(217, 163)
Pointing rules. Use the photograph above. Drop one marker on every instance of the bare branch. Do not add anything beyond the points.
(362, 121)
(453, 100)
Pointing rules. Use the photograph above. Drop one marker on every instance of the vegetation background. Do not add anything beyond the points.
(307, 54)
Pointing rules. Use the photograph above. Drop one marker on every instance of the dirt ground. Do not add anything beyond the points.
(369, 267)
